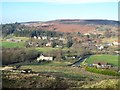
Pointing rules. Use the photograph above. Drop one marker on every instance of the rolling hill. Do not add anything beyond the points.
(71, 25)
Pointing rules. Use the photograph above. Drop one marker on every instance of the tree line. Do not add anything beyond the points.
(24, 31)
(17, 55)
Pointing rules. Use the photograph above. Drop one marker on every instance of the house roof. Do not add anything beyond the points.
(45, 55)
(117, 41)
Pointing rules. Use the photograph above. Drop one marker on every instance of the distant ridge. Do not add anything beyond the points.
(72, 25)
(30, 22)
(86, 21)
(78, 21)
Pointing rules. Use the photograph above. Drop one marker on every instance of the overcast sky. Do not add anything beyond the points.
(44, 10)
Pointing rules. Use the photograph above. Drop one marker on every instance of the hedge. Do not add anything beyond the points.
(103, 71)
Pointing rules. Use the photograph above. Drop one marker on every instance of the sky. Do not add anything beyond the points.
(45, 10)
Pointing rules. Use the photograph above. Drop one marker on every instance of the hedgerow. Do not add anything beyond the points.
(103, 71)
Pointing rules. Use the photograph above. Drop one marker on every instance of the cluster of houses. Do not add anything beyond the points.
(48, 41)
(103, 65)
(40, 37)
(114, 43)
(49, 38)
(48, 44)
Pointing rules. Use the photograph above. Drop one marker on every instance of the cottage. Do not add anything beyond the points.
(44, 37)
(48, 44)
(117, 52)
(51, 38)
(55, 37)
(42, 57)
(70, 56)
(61, 39)
(35, 37)
(58, 46)
(102, 65)
(108, 44)
(116, 42)
(25, 71)
(39, 37)
(100, 47)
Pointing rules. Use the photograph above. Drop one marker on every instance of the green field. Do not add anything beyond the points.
(48, 49)
(113, 59)
(53, 63)
(14, 37)
(63, 70)
(22, 38)
(110, 40)
(11, 44)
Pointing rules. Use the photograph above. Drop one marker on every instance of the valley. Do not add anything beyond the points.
(52, 54)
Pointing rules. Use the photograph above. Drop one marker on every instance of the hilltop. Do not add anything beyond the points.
(72, 25)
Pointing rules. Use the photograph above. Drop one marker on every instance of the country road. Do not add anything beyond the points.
(80, 60)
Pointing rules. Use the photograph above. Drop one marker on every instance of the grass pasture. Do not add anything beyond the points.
(48, 49)
(53, 63)
(61, 69)
(12, 44)
(110, 40)
(113, 59)
(22, 38)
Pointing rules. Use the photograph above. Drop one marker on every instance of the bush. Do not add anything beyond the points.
(103, 71)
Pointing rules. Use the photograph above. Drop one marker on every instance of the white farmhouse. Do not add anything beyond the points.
(35, 37)
(42, 57)
(39, 37)
(48, 44)
(62, 39)
(44, 37)
(100, 47)
(116, 42)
